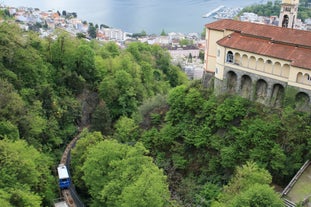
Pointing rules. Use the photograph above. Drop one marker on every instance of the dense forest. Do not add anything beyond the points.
(149, 136)
(272, 8)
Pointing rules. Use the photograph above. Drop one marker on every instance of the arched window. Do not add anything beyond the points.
(261, 91)
(268, 66)
(260, 64)
(246, 86)
(285, 21)
(277, 68)
(232, 79)
(245, 60)
(252, 62)
(302, 101)
(237, 59)
(229, 57)
(307, 79)
(285, 70)
(299, 78)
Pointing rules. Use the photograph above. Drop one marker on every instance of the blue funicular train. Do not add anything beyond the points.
(63, 176)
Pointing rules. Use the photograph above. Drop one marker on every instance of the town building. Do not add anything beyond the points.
(261, 62)
(112, 34)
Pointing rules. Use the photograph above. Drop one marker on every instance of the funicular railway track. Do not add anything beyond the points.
(69, 194)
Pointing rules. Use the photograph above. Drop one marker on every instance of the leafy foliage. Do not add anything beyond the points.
(134, 76)
(249, 187)
(209, 136)
(121, 175)
(24, 174)
(42, 101)
(146, 106)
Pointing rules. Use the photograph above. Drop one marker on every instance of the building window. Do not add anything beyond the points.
(218, 52)
(229, 57)
(285, 21)
(216, 71)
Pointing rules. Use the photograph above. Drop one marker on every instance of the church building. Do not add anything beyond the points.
(260, 62)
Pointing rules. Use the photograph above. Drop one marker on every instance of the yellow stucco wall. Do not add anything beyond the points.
(261, 65)
(220, 60)
(212, 36)
(278, 69)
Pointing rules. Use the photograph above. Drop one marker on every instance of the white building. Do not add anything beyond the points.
(113, 34)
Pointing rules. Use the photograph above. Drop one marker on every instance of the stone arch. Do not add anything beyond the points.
(232, 80)
(237, 58)
(252, 62)
(260, 64)
(229, 58)
(246, 86)
(277, 69)
(277, 96)
(285, 21)
(268, 66)
(245, 60)
(285, 70)
(261, 91)
(302, 101)
(299, 78)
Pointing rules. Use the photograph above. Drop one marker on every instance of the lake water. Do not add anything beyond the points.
(151, 16)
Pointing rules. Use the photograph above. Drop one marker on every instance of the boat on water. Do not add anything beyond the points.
(213, 11)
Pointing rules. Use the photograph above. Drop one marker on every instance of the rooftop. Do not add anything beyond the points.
(273, 33)
(282, 43)
(299, 57)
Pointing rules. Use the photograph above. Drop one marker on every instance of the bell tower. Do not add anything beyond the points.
(288, 14)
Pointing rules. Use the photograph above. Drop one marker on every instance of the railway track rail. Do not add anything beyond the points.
(70, 195)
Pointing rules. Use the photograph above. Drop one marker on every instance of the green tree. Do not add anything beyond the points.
(121, 175)
(85, 63)
(80, 35)
(11, 104)
(185, 42)
(25, 174)
(8, 130)
(208, 193)
(249, 187)
(101, 119)
(110, 49)
(233, 108)
(258, 195)
(79, 155)
(127, 130)
(163, 33)
(92, 31)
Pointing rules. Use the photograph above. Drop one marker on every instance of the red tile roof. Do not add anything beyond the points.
(298, 56)
(274, 33)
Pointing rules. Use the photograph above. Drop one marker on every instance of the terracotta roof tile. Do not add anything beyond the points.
(278, 34)
(298, 56)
